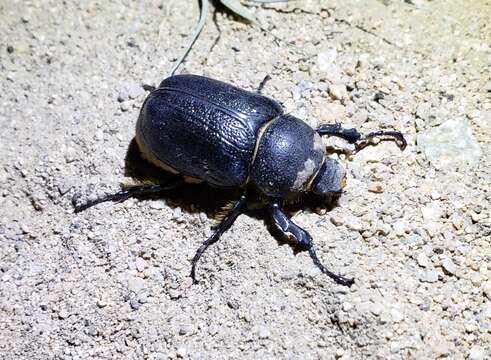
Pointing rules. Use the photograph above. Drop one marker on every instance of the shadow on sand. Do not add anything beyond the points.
(213, 201)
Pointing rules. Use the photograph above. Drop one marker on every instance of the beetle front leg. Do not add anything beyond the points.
(374, 137)
(304, 239)
(224, 225)
(129, 192)
(353, 136)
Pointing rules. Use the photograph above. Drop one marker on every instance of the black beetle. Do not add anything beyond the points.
(202, 129)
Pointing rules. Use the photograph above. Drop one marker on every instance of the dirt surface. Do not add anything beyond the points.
(113, 281)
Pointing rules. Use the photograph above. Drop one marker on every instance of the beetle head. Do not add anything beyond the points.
(331, 178)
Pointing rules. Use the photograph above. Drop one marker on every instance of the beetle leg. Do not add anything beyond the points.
(374, 137)
(350, 135)
(353, 136)
(224, 225)
(129, 192)
(305, 241)
(263, 82)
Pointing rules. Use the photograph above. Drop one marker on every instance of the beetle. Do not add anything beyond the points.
(205, 130)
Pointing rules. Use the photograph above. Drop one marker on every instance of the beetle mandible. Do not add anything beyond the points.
(204, 130)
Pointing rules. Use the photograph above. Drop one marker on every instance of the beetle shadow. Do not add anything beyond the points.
(196, 198)
(193, 198)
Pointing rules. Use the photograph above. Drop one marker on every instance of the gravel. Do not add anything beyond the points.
(412, 227)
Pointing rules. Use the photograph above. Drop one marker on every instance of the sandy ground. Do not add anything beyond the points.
(112, 282)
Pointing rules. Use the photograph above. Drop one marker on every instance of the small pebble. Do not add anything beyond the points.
(423, 260)
(135, 90)
(431, 212)
(360, 117)
(136, 284)
(449, 266)
(470, 328)
(125, 106)
(140, 264)
(440, 347)
(429, 276)
(338, 92)
(326, 58)
(476, 279)
(477, 353)
(395, 347)
(185, 329)
(158, 204)
(296, 93)
(347, 307)
(181, 352)
(91, 330)
(263, 332)
(63, 314)
(376, 187)
(397, 316)
(177, 215)
(337, 220)
(130, 91)
(400, 228)
(376, 308)
(355, 224)
(339, 353)
(135, 304)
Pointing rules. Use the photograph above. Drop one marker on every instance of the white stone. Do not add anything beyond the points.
(399, 228)
(450, 145)
(397, 316)
(355, 224)
(476, 353)
(135, 284)
(470, 328)
(263, 332)
(337, 220)
(431, 212)
(376, 308)
(140, 264)
(449, 266)
(338, 92)
(181, 352)
(347, 306)
(439, 346)
(423, 260)
(326, 58)
(430, 276)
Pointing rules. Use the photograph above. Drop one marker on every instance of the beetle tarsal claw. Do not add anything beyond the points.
(374, 138)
